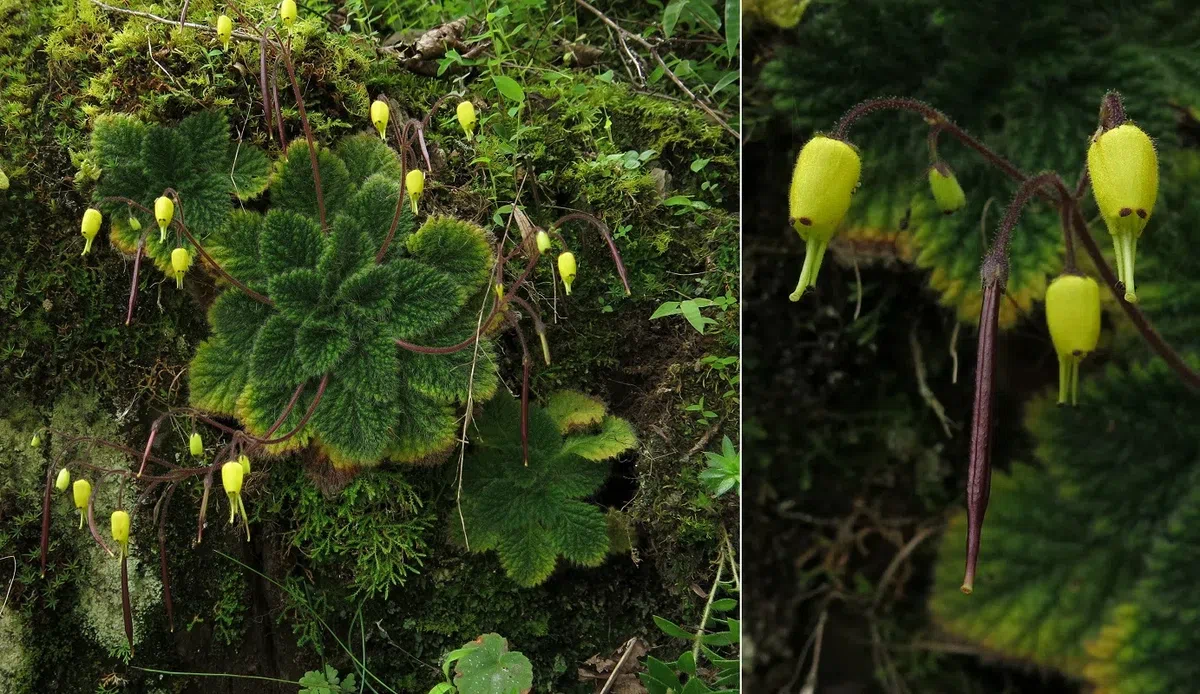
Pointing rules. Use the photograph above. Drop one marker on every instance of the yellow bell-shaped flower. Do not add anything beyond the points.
(35, 441)
(414, 183)
(181, 260)
(63, 480)
(467, 118)
(196, 444)
(164, 212)
(567, 269)
(135, 223)
(287, 12)
(947, 192)
(81, 491)
(120, 531)
(231, 479)
(823, 181)
(379, 116)
(543, 242)
(1073, 316)
(1124, 171)
(91, 226)
(224, 30)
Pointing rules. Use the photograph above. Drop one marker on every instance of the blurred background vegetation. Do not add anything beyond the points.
(861, 393)
(598, 131)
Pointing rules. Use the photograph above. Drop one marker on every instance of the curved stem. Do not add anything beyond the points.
(312, 145)
(603, 229)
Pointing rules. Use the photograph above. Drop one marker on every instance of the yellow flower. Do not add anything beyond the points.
(466, 118)
(414, 183)
(287, 12)
(543, 242)
(567, 269)
(164, 212)
(81, 491)
(120, 530)
(379, 116)
(91, 226)
(947, 192)
(63, 481)
(1124, 172)
(181, 260)
(3, 180)
(35, 441)
(196, 444)
(244, 461)
(1073, 316)
(134, 223)
(825, 177)
(224, 30)
(231, 479)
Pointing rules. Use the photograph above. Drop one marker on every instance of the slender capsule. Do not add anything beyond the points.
(287, 12)
(181, 260)
(567, 269)
(63, 481)
(1073, 317)
(81, 491)
(91, 226)
(1123, 168)
(224, 30)
(823, 182)
(543, 242)
(120, 530)
(379, 116)
(164, 212)
(196, 444)
(466, 118)
(414, 183)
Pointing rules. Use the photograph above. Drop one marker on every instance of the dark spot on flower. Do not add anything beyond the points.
(1142, 214)
(1125, 212)
(806, 221)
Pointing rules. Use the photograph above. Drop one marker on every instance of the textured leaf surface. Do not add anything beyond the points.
(275, 360)
(293, 187)
(457, 248)
(289, 241)
(614, 438)
(572, 410)
(217, 376)
(490, 668)
(365, 156)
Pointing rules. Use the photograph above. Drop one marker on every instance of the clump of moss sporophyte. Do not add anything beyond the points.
(823, 181)
(1073, 317)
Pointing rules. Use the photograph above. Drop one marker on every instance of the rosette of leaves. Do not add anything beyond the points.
(1101, 522)
(1037, 108)
(196, 158)
(533, 514)
(333, 310)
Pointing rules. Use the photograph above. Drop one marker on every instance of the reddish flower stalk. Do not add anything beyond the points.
(603, 229)
(126, 610)
(150, 442)
(133, 288)
(526, 364)
(46, 517)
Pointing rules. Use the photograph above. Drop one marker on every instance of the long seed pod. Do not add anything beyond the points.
(45, 547)
(126, 609)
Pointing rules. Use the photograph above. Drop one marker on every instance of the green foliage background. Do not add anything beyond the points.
(67, 64)
(1090, 523)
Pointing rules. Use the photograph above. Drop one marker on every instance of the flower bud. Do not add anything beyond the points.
(63, 481)
(81, 491)
(244, 461)
(91, 226)
(196, 444)
(947, 193)
(379, 116)
(567, 269)
(35, 441)
(1073, 316)
(224, 30)
(181, 260)
(120, 530)
(134, 223)
(164, 212)
(499, 291)
(3, 180)
(287, 12)
(466, 118)
(825, 177)
(414, 183)
(1124, 172)
(543, 242)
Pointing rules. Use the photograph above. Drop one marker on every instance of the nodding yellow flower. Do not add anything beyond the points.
(91, 226)
(947, 192)
(196, 444)
(543, 242)
(120, 530)
(825, 177)
(244, 461)
(35, 441)
(1124, 172)
(414, 183)
(63, 481)
(3, 180)
(231, 479)
(379, 116)
(164, 212)
(224, 30)
(134, 223)
(181, 260)
(287, 12)
(567, 269)
(1073, 316)
(81, 491)
(466, 118)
